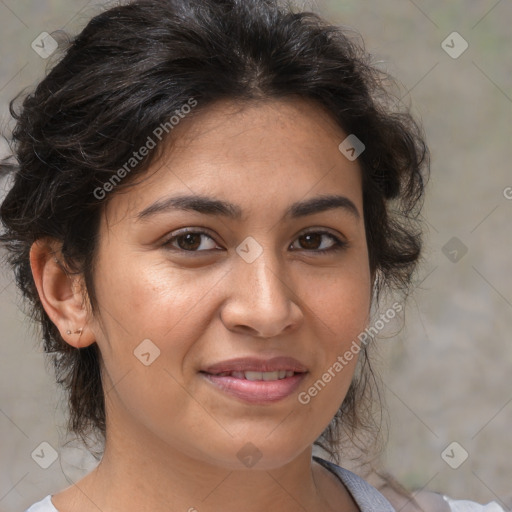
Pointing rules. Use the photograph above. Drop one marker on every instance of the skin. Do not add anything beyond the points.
(172, 437)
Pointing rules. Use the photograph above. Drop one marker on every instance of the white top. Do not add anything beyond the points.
(46, 505)
(471, 506)
(368, 498)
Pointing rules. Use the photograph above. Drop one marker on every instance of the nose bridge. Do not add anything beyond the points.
(260, 297)
(265, 275)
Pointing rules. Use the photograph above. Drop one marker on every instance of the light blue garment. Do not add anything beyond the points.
(367, 498)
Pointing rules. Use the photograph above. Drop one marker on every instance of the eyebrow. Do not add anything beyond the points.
(211, 206)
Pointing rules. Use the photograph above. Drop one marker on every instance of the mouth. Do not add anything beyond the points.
(256, 381)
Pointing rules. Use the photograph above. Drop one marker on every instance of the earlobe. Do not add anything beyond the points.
(60, 293)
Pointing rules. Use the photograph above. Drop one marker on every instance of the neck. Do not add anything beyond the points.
(139, 473)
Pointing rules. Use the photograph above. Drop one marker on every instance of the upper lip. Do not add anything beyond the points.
(254, 364)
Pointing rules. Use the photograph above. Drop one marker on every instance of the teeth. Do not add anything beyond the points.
(281, 374)
(256, 375)
(277, 375)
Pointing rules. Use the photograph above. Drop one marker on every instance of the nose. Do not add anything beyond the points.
(260, 302)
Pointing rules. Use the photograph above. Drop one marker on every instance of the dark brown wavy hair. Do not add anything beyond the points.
(126, 73)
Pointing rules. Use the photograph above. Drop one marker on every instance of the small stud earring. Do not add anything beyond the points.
(78, 331)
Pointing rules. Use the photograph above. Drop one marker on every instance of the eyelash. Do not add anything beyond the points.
(338, 243)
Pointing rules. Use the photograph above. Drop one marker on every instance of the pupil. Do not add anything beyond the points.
(189, 241)
(315, 237)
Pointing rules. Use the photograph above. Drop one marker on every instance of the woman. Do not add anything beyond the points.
(206, 318)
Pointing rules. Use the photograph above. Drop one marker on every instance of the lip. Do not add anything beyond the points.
(256, 391)
(261, 391)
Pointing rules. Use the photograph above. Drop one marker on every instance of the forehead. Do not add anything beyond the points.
(228, 127)
(259, 153)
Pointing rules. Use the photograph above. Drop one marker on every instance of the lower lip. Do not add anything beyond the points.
(257, 391)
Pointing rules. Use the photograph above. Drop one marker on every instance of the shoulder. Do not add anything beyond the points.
(471, 506)
(423, 501)
(45, 505)
(383, 497)
(429, 501)
(368, 498)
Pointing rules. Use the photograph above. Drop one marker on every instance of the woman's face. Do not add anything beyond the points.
(247, 282)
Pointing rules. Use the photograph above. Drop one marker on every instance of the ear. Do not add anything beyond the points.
(61, 293)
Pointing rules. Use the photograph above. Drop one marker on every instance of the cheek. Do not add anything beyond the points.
(340, 298)
(142, 293)
(342, 314)
(340, 308)
(148, 323)
(141, 299)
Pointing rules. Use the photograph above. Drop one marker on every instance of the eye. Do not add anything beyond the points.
(315, 241)
(191, 241)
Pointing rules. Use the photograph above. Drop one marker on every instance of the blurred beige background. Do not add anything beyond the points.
(448, 373)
